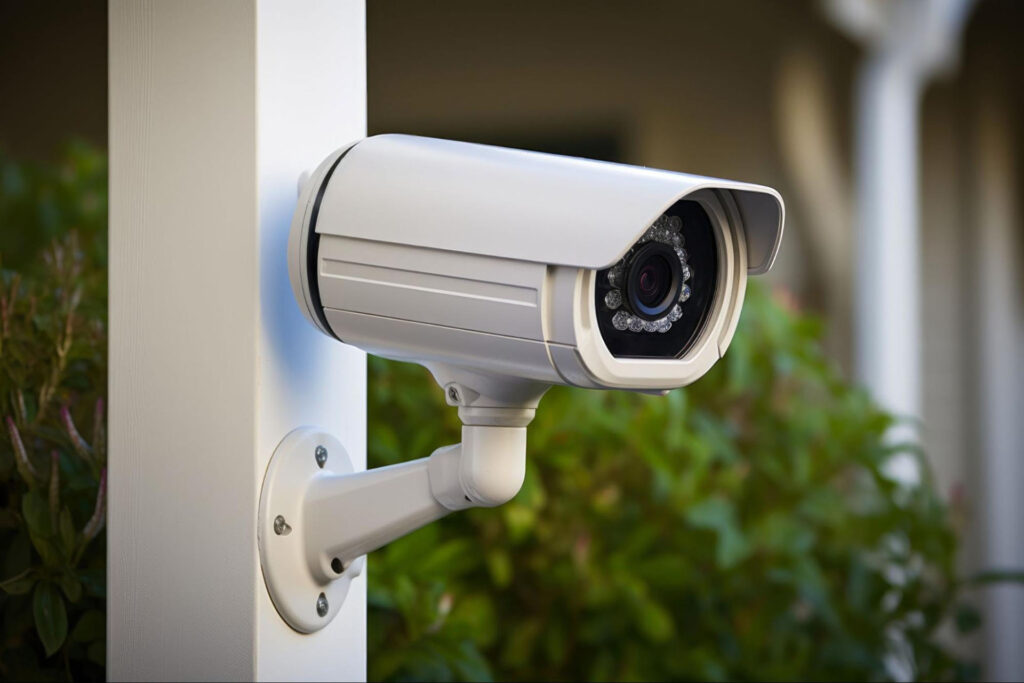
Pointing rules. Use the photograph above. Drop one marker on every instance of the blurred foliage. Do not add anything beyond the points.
(43, 202)
(52, 377)
(741, 528)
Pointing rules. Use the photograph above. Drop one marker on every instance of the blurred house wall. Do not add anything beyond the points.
(53, 76)
(762, 91)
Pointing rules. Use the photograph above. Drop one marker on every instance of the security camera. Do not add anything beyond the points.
(476, 260)
(503, 272)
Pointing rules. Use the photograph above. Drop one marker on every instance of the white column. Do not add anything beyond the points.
(215, 109)
(887, 274)
(999, 362)
(907, 43)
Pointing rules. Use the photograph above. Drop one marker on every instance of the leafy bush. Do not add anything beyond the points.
(52, 376)
(742, 528)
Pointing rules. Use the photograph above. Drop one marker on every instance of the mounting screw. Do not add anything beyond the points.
(453, 394)
(281, 527)
(321, 456)
(321, 605)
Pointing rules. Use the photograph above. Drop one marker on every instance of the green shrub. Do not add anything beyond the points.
(52, 377)
(741, 528)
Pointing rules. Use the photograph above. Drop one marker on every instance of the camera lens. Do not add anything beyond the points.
(654, 280)
(656, 301)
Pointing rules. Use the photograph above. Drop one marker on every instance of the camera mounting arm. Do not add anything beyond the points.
(349, 515)
(318, 518)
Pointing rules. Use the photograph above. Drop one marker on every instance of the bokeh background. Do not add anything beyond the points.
(839, 499)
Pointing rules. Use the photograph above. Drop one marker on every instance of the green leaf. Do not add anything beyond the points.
(97, 653)
(719, 515)
(477, 613)
(71, 586)
(518, 645)
(470, 665)
(781, 532)
(664, 571)
(713, 513)
(499, 564)
(20, 584)
(48, 551)
(68, 537)
(448, 559)
(732, 549)
(655, 621)
(50, 615)
(92, 626)
(36, 510)
(520, 520)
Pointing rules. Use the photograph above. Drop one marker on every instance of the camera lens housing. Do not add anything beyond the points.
(656, 301)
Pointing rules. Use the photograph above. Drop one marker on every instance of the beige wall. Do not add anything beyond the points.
(53, 75)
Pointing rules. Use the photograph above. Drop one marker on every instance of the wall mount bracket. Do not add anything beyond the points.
(318, 518)
(306, 599)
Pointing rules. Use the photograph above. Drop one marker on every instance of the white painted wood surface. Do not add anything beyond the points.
(215, 109)
(999, 363)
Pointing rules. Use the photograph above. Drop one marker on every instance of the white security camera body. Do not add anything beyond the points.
(476, 260)
(503, 272)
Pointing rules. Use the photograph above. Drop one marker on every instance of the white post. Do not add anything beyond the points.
(215, 110)
(907, 42)
(999, 362)
(887, 286)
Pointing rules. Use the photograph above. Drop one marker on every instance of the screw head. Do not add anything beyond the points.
(281, 527)
(321, 605)
(321, 456)
(453, 394)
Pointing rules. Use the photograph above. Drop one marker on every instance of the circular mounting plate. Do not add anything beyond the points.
(293, 588)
